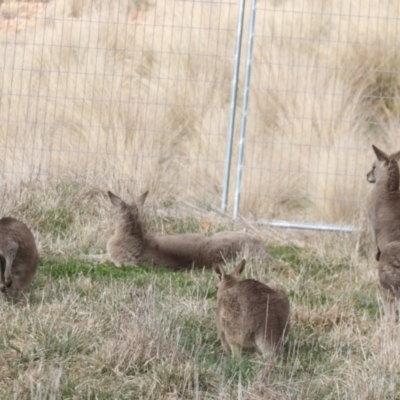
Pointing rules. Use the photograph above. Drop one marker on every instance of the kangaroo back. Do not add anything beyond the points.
(125, 246)
(176, 252)
(230, 245)
(250, 314)
(18, 257)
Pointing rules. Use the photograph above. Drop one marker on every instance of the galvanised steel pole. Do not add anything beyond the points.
(244, 109)
(232, 107)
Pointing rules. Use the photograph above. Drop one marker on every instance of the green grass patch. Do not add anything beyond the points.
(71, 268)
(116, 331)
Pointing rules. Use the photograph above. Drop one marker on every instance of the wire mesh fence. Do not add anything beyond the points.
(139, 93)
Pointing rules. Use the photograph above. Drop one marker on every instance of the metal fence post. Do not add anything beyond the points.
(243, 121)
(232, 107)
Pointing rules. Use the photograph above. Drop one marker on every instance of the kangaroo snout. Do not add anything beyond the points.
(371, 177)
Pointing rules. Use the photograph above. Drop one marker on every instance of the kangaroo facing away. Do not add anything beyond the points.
(250, 314)
(131, 245)
(383, 206)
(18, 257)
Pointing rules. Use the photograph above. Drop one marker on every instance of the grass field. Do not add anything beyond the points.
(132, 95)
(90, 330)
(93, 331)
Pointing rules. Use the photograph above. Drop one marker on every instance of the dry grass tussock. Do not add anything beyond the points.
(140, 90)
(89, 330)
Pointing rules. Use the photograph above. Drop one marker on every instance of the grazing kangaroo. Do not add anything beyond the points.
(384, 213)
(18, 257)
(250, 314)
(131, 245)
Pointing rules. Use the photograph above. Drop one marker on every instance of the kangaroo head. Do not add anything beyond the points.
(226, 280)
(384, 166)
(127, 216)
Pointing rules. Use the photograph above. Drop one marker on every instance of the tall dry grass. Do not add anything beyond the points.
(137, 93)
(90, 330)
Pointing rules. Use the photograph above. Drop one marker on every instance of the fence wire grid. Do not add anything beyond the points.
(140, 92)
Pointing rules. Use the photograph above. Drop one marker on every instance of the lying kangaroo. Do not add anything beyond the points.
(250, 314)
(18, 257)
(383, 206)
(132, 246)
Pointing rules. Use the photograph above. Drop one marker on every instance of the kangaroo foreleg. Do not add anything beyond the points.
(378, 255)
(2, 268)
(12, 249)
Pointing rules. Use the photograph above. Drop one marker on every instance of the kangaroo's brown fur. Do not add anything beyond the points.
(250, 314)
(131, 245)
(18, 257)
(383, 206)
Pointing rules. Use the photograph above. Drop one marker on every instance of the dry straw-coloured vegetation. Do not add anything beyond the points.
(133, 95)
(90, 330)
(139, 90)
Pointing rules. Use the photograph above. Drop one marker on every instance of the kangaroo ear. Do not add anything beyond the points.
(219, 271)
(142, 198)
(239, 268)
(115, 200)
(381, 155)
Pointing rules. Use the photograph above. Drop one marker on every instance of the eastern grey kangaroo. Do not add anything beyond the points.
(18, 257)
(250, 314)
(383, 206)
(131, 245)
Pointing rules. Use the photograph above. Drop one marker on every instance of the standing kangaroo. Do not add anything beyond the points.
(250, 314)
(383, 206)
(18, 257)
(131, 245)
